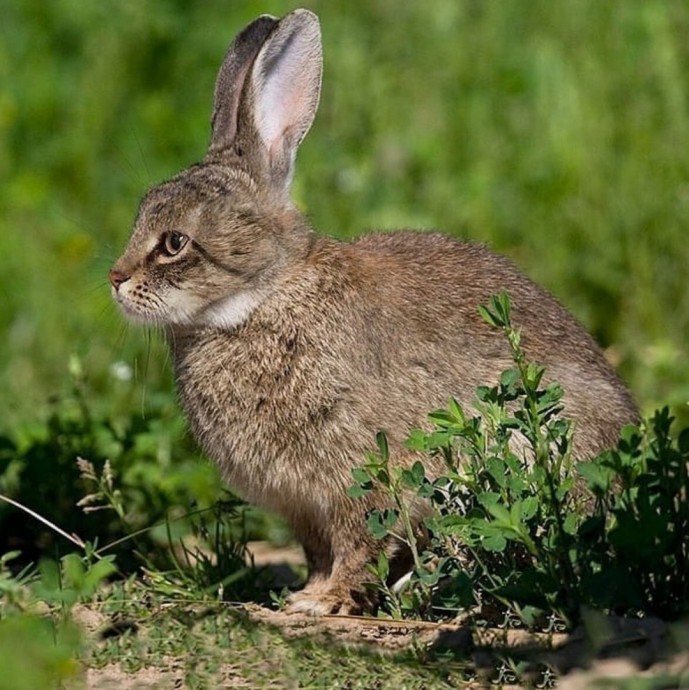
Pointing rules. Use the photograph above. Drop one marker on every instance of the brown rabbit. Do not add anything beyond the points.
(291, 350)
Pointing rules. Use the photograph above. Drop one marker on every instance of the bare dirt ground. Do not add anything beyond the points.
(627, 649)
(635, 651)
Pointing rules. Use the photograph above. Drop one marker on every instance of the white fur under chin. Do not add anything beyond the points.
(232, 311)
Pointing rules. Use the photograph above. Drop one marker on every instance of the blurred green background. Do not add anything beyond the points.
(557, 132)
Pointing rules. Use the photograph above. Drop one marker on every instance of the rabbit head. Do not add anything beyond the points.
(208, 244)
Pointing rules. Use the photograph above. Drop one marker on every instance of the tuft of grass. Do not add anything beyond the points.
(216, 645)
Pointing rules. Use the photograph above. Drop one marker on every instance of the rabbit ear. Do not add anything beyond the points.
(231, 78)
(285, 88)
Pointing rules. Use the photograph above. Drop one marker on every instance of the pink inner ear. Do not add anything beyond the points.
(283, 100)
(287, 91)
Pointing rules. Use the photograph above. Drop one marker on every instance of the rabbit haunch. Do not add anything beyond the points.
(291, 350)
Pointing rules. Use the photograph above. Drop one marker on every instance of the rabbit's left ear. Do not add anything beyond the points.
(231, 78)
(285, 89)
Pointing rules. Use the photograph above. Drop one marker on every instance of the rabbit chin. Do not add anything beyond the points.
(230, 312)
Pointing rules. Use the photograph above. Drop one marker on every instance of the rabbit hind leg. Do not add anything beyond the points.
(337, 584)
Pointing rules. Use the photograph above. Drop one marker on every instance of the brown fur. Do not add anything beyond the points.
(326, 342)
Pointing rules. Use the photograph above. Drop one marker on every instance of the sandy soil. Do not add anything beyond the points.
(632, 648)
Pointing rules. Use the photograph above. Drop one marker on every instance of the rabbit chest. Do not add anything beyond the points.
(274, 409)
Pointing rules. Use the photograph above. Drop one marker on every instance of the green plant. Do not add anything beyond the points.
(42, 650)
(71, 580)
(66, 467)
(634, 554)
(212, 560)
(13, 586)
(36, 652)
(515, 523)
(206, 547)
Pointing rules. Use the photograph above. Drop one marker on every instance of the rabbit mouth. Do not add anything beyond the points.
(137, 312)
(143, 306)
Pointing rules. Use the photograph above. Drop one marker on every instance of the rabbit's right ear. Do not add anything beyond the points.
(284, 91)
(231, 79)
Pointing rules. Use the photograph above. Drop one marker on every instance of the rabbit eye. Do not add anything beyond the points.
(173, 242)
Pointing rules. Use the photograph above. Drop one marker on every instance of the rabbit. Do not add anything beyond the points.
(291, 350)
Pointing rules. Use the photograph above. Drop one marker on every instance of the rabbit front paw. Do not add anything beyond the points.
(323, 602)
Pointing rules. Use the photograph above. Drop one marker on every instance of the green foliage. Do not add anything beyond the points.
(516, 523)
(495, 121)
(40, 651)
(74, 579)
(635, 542)
(37, 653)
(212, 561)
(13, 586)
(158, 474)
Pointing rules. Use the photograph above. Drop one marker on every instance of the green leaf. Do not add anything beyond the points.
(516, 513)
(427, 490)
(8, 556)
(486, 393)
(418, 472)
(501, 304)
(382, 476)
(487, 498)
(497, 313)
(98, 572)
(357, 491)
(361, 476)
(390, 518)
(509, 377)
(530, 614)
(533, 376)
(39, 652)
(456, 411)
(489, 317)
(375, 525)
(441, 418)
(498, 510)
(383, 569)
(495, 542)
(529, 507)
(496, 468)
(595, 475)
(380, 523)
(417, 440)
(73, 570)
(569, 524)
(382, 442)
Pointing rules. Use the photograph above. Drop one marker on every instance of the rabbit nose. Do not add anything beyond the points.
(117, 278)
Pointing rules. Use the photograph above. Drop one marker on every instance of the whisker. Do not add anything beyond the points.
(121, 338)
(141, 153)
(97, 286)
(130, 168)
